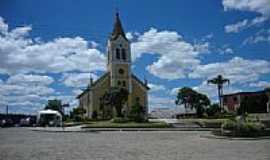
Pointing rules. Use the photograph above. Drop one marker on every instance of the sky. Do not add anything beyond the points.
(49, 49)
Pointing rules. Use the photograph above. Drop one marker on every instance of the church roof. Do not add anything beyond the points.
(95, 83)
(117, 29)
(103, 77)
(139, 81)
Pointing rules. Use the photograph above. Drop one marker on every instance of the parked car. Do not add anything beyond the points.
(25, 122)
(6, 123)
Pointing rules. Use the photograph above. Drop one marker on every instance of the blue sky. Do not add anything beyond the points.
(48, 48)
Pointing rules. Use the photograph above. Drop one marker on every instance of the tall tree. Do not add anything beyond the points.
(77, 113)
(192, 99)
(219, 81)
(116, 97)
(184, 97)
(56, 105)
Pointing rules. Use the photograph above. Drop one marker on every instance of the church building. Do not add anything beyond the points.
(119, 74)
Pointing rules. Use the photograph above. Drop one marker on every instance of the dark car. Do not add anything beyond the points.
(6, 123)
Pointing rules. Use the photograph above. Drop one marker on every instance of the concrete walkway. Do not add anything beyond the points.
(81, 129)
(58, 129)
(177, 125)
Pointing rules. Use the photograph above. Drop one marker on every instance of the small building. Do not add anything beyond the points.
(118, 74)
(260, 102)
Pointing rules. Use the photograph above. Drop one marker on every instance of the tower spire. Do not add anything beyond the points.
(117, 29)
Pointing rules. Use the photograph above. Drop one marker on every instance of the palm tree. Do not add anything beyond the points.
(219, 81)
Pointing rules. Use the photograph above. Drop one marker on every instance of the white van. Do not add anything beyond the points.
(50, 118)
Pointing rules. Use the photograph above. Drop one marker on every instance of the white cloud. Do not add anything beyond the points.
(156, 87)
(225, 49)
(25, 93)
(78, 80)
(21, 54)
(161, 102)
(77, 91)
(23, 59)
(30, 79)
(238, 70)
(260, 84)
(234, 28)
(261, 7)
(228, 50)
(239, 26)
(7, 89)
(202, 47)
(21, 84)
(129, 36)
(174, 91)
(3, 26)
(261, 36)
(177, 57)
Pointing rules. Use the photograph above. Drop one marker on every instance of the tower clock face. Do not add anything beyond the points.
(121, 71)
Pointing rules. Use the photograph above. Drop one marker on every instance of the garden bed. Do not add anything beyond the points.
(206, 123)
(110, 124)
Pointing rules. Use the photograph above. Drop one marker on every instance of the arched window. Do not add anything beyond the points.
(124, 54)
(124, 83)
(117, 53)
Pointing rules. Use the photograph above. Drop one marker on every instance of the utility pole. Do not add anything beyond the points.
(7, 109)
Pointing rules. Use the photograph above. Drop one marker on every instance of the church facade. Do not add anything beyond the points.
(119, 74)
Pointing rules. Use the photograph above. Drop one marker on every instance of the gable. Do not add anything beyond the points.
(96, 83)
(141, 84)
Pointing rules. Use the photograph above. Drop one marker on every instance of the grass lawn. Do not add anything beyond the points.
(109, 124)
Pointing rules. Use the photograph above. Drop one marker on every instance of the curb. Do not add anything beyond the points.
(148, 129)
(235, 138)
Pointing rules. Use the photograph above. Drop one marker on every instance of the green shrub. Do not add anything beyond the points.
(229, 125)
(239, 127)
(137, 113)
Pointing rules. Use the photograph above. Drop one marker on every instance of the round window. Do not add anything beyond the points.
(121, 71)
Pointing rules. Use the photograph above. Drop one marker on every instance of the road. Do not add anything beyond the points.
(24, 144)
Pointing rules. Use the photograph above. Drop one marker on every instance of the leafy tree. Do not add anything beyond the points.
(213, 109)
(219, 81)
(137, 112)
(55, 105)
(77, 113)
(116, 97)
(184, 97)
(192, 99)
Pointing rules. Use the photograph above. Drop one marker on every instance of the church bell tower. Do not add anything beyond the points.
(119, 57)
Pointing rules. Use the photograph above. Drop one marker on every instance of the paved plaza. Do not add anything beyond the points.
(24, 144)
